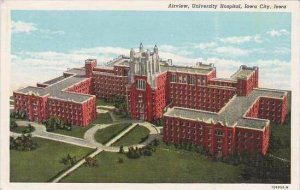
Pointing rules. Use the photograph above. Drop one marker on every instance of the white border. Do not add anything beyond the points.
(292, 6)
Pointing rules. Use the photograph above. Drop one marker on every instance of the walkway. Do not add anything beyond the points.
(109, 108)
(116, 138)
(77, 165)
(89, 139)
(282, 159)
(112, 116)
(40, 131)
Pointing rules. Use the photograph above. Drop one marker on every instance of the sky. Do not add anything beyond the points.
(46, 43)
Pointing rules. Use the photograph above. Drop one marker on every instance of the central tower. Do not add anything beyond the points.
(144, 63)
(144, 76)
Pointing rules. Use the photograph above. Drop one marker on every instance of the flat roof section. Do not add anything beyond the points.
(232, 113)
(119, 61)
(55, 80)
(242, 73)
(58, 85)
(192, 70)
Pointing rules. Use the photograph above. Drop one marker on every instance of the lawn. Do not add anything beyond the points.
(166, 165)
(42, 164)
(104, 135)
(135, 136)
(78, 131)
(102, 102)
(120, 117)
(283, 132)
(102, 118)
(20, 129)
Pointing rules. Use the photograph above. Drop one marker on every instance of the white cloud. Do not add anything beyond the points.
(282, 50)
(272, 73)
(204, 46)
(27, 27)
(178, 59)
(230, 51)
(172, 49)
(31, 67)
(102, 50)
(52, 32)
(278, 33)
(236, 39)
(258, 39)
(19, 27)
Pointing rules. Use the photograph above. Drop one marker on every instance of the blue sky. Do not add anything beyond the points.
(44, 43)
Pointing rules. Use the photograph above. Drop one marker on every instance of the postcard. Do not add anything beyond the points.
(150, 94)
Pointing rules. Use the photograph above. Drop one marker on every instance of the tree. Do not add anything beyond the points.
(120, 160)
(155, 142)
(23, 143)
(91, 162)
(121, 150)
(13, 124)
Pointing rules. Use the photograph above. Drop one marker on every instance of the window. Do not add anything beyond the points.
(173, 78)
(219, 133)
(141, 84)
(209, 131)
(191, 79)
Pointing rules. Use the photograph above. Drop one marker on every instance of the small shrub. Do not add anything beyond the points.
(120, 160)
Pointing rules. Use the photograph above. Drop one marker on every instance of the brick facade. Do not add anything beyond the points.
(227, 115)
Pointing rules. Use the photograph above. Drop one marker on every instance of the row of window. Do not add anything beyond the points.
(187, 79)
(200, 89)
(141, 84)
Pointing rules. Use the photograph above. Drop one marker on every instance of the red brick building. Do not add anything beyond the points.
(224, 115)
(67, 97)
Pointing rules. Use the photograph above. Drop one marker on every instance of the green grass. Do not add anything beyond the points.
(283, 132)
(135, 136)
(120, 117)
(20, 129)
(78, 131)
(43, 163)
(102, 118)
(165, 165)
(104, 135)
(14, 119)
(102, 102)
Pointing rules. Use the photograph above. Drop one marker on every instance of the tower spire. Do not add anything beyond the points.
(141, 47)
(155, 49)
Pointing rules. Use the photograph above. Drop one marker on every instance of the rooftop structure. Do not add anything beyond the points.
(56, 88)
(201, 108)
(233, 113)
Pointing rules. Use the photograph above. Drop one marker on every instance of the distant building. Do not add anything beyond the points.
(222, 115)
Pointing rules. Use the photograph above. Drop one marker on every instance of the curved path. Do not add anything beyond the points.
(89, 139)
(40, 131)
(89, 135)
